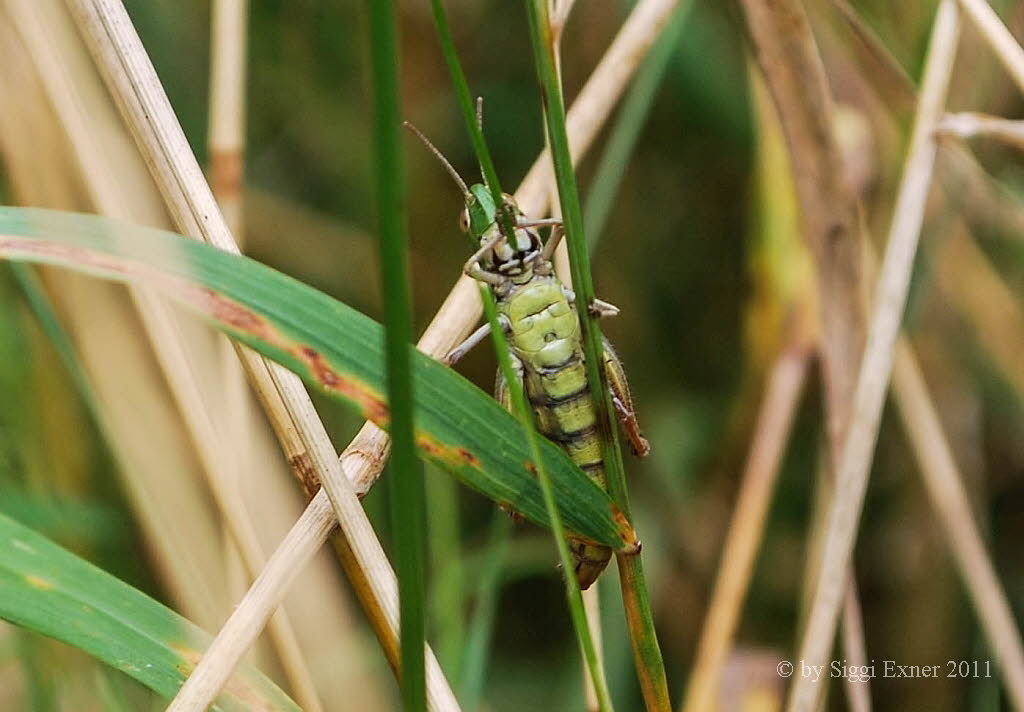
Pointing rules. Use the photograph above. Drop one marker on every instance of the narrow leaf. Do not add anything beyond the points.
(331, 346)
(51, 591)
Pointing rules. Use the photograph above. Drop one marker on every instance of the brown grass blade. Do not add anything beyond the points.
(792, 67)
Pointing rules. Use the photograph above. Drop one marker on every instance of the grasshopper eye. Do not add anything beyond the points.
(464, 221)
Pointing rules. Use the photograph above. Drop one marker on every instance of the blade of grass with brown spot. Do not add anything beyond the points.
(333, 347)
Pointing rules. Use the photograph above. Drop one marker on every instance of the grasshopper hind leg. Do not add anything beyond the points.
(623, 401)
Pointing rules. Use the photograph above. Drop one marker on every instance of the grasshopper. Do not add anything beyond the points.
(543, 331)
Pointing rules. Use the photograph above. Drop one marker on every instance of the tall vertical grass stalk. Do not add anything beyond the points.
(522, 409)
(890, 298)
(647, 655)
(407, 488)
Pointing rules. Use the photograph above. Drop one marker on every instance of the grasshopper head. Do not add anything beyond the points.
(480, 220)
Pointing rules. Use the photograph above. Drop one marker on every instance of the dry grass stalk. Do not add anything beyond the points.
(133, 82)
(890, 297)
(226, 139)
(226, 142)
(774, 421)
(969, 124)
(945, 487)
(259, 602)
(793, 71)
(219, 466)
(592, 606)
(795, 76)
(998, 37)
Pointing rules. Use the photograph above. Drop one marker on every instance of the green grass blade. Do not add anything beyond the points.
(521, 408)
(332, 347)
(408, 490)
(51, 591)
(647, 654)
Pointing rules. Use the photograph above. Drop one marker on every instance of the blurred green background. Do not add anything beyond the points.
(686, 255)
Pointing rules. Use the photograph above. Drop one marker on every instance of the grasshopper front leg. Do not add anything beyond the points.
(472, 340)
(623, 401)
(473, 269)
(598, 308)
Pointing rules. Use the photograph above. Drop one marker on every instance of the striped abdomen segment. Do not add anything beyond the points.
(546, 339)
(568, 418)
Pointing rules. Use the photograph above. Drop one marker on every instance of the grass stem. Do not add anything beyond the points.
(647, 654)
(408, 497)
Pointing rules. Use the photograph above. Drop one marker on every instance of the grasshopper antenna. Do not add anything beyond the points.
(440, 156)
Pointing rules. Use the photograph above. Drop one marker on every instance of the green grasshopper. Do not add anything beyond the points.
(543, 330)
